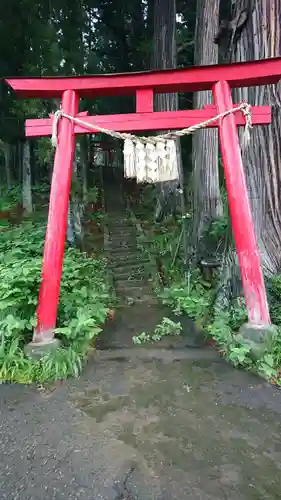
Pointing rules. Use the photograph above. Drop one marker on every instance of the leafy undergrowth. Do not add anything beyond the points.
(167, 327)
(9, 198)
(85, 301)
(222, 326)
(195, 298)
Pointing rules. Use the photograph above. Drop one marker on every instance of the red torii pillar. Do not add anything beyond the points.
(218, 78)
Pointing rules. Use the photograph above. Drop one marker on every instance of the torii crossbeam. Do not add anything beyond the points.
(220, 79)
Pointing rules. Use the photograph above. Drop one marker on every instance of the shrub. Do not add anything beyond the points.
(85, 301)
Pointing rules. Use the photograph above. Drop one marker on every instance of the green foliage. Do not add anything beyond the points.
(223, 329)
(219, 227)
(219, 231)
(58, 365)
(93, 195)
(219, 329)
(44, 152)
(191, 298)
(267, 367)
(274, 294)
(98, 217)
(14, 366)
(195, 298)
(164, 242)
(238, 315)
(276, 351)
(85, 301)
(9, 198)
(163, 329)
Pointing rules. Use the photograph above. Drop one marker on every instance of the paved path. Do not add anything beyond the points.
(135, 427)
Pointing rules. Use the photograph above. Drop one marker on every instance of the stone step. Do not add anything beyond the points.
(121, 228)
(127, 284)
(119, 221)
(123, 219)
(120, 265)
(129, 248)
(122, 232)
(135, 282)
(135, 288)
(127, 262)
(115, 209)
(131, 275)
(116, 229)
(138, 294)
(121, 246)
(130, 253)
(122, 237)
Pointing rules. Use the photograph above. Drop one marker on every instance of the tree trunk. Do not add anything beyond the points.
(75, 214)
(165, 57)
(261, 38)
(165, 51)
(84, 160)
(262, 160)
(8, 164)
(207, 203)
(26, 179)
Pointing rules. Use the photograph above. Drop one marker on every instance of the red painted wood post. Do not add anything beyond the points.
(240, 211)
(57, 223)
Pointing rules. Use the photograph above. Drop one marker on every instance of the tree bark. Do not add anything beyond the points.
(164, 48)
(261, 38)
(207, 203)
(26, 179)
(84, 160)
(76, 210)
(165, 57)
(8, 164)
(262, 160)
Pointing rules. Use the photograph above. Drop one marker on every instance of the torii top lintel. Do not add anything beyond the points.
(192, 79)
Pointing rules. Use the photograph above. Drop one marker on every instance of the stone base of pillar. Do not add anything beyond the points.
(259, 338)
(38, 350)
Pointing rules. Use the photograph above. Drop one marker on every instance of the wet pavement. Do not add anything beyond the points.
(143, 424)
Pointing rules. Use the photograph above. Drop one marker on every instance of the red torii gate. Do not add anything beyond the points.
(220, 79)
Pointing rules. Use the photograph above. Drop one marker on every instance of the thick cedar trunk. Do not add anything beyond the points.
(165, 48)
(77, 207)
(26, 179)
(262, 39)
(8, 164)
(207, 204)
(84, 160)
(165, 57)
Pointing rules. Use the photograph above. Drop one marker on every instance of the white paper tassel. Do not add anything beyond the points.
(172, 163)
(162, 160)
(129, 159)
(246, 137)
(140, 163)
(151, 164)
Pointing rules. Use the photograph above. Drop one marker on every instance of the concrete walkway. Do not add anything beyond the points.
(145, 425)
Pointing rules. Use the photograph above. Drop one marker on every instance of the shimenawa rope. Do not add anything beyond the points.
(154, 158)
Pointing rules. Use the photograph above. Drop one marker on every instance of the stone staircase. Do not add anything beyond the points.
(130, 269)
